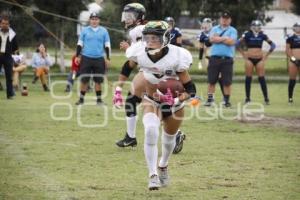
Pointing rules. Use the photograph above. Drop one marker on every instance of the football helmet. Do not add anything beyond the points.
(296, 27)
(133, 14)
(206, 25)
(156, 31)
(170, 21)
(256, 25)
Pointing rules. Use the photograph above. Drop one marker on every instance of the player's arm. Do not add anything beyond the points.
(288, 50)
(272, 47)
(189, 86)
(79, 49)
(126, 70)
(238, 45)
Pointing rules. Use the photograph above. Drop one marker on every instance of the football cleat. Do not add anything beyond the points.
(179, 142)
(79, 102)
(127, 142)
(227, 105)
(154, 183)
(99, 102)
(267, 102)
(209, 102)
(163, 176)
(247, 100)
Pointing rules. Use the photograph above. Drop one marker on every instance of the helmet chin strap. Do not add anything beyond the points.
(155, 51)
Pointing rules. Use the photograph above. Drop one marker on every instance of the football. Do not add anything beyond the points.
(175, 86)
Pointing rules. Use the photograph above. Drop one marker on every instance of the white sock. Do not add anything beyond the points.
(168, 143)
(151, 124)
(131, 125)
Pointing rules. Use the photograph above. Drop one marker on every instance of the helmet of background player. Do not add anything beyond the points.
(133, 14)
(296, 27)
(170, 21)
(206, 25)
(256, 26)
(156, 33)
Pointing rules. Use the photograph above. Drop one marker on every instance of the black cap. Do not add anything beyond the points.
(94, 14)
(226, 14)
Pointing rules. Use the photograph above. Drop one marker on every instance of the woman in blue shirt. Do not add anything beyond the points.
(41, 64)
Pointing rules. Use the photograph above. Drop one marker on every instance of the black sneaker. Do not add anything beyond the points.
(79, 102)
(291, 100)
(179, 142)
(247, 100)
(68, 89)
(100, 102)
(35, 79)
(127, 141)
(227, 104)
(267, 102)
(46, 89)
(209, 102)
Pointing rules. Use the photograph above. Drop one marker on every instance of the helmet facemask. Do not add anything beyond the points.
(133, 14)
(206, 25)
(156, 35)
(256, 26)
(129, 18)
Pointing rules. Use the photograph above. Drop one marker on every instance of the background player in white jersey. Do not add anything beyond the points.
(133, 16)
(158, 61)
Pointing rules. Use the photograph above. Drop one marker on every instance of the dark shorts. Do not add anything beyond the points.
(255, 61)
(92, 66)
(297, 63)
(220, 65)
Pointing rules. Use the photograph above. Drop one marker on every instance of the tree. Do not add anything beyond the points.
(296, 7)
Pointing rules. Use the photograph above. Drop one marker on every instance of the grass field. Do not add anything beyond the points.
(43, 158)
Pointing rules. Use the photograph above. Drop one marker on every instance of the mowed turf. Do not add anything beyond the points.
(44, 158)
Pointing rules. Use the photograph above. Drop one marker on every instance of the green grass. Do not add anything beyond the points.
(41, 158)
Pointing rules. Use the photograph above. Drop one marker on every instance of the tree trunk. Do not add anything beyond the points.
(62, 50)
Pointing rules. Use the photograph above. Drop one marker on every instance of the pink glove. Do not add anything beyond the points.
(167, 98)
(118, 99)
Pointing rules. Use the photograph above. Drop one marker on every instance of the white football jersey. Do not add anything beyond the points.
(136, 34)
(176, 60)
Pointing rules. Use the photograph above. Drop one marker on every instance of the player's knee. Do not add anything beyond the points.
(131, 104)
(151, 124)
(168, 138)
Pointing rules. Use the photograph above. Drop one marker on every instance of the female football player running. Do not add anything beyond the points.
(133, 17)
(158, 61)
(255, 57)
(293, 53)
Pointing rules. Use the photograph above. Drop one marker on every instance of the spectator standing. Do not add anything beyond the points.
(8, 46)
(74, 73)
(93, 42)
(223, 38)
